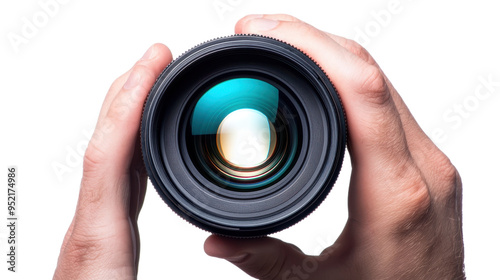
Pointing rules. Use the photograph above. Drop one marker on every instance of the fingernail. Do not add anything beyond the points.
(133, 80)
(148, 54)
(237, 258)
(264, 24)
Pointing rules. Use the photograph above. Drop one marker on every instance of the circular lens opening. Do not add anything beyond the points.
(241, 135)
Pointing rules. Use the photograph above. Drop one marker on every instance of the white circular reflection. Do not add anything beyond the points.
(246, 138)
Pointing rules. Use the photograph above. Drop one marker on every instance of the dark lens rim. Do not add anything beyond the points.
(244, 213)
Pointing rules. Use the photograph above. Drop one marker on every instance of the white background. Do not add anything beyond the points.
(52, 85)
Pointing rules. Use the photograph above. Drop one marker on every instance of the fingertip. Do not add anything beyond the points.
(158, 51)
(163, 50)
(210, 246)
(219, 247)
(153, 61)
(258, 257)
(238, 29)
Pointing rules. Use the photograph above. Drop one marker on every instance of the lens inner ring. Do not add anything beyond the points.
(209, 164)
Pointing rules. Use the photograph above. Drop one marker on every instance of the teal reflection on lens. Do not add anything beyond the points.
(231, 95)
(241, 136)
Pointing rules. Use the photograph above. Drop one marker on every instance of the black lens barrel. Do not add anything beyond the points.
(190, 123)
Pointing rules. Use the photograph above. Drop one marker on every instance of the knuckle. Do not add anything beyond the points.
(270, 269)
(89, 198)
(118, 111)
(143, 68)
(415, 203)
(446, 177)
(140, 66)
(83, 248)
(92, 168)
(305, 28)
(358, 50)
(93, 158)
(127, 103)
(118, 83)
(373, 86)
(286, 17)
(445, 169)
(416, 195)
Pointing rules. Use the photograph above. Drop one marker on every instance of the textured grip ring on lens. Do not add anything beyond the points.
(243, 135)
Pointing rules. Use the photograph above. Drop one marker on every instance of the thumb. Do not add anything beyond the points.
(263, 258)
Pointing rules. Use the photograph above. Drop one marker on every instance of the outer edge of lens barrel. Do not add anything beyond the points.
(305, 212)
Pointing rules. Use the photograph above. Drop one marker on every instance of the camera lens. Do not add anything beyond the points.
(243, 135)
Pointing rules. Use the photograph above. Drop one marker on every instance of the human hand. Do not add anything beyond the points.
(404, 197)
(102, 241)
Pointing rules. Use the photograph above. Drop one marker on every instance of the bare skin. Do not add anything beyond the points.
(404, 196)
(102, 241)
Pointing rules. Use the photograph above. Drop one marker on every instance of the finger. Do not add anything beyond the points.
(353, 48)
(69, 232)
(414, 134)
(138, 182)
(377, 138)
(117, 85)
(368, 104)
(242, 22)
(138, 188)
(108, 156)
(138, 185)
(262, 258)
(114, 89)
(425, 153)
(418, 142)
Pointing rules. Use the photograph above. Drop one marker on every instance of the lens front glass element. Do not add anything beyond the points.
(243, 134)
(246, 138)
